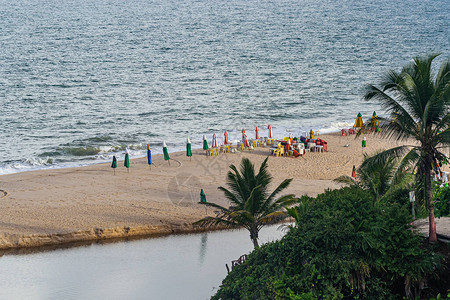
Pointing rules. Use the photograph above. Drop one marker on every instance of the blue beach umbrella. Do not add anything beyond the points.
(149, 156)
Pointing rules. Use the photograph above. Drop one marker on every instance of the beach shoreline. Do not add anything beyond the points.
(84, 204)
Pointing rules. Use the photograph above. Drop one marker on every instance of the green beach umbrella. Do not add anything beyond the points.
(126, 162)
(166, 153)
(114, 164)
(188, 148)
(205, 143)
(202, 197)
(364, 142)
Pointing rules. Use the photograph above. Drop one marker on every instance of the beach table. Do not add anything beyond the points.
(311, 146)
(318, 148)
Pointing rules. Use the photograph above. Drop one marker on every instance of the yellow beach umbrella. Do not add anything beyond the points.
(359, 121)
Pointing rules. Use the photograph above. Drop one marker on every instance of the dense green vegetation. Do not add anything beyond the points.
(253, 206)
(345, 244)
(378, 175)
(441, 198)
(418, 107)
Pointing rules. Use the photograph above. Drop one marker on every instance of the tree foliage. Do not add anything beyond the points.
(345, 245)
(252, 205)
(379, 175)
(418, 107)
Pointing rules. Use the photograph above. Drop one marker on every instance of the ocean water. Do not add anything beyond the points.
(83, 80)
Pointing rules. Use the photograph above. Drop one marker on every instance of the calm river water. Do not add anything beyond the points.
(190, 266)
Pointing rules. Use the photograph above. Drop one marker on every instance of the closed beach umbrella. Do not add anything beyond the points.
(114, 164)
(126, 162)
(311, 134)
(257, 133)
(188, 148)
(202, 196)
(225, 142)
(214, 141)
(149, 156)
(374, 122)
(245, 141)
(205, 143)
(166, 153)
(270, 131)
(354, 172)
(359, 121)
(364, 143)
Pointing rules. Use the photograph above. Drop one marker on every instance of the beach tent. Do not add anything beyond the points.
(359, 122)
(257, 133)
(126, 162)
(188, 148)
(149, 156)
(114, 164)
(270, 131)
(166, 153)
(225, 142)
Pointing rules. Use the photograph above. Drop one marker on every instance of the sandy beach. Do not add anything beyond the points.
(50, 207)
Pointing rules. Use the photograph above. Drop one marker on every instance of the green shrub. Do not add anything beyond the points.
(345, 245)
(441, 198)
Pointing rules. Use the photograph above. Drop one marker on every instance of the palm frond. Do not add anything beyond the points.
(346, 180)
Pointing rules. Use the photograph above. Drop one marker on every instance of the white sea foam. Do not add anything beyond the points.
(138, 150)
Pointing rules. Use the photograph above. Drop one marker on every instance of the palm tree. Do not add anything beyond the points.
(418, 108)
(378, 174)
(252, 204)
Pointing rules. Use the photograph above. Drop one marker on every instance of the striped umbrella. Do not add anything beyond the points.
(188, 149)
(226, 138)
(166, 153)
(257, 133)
(214, 141)
(114, 164)
(126, 162)
(149, 156)
(270, 131)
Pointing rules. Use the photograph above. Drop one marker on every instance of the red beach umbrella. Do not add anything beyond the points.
(214, 143)
(270, 131)
(226, 138)
(257, 133)
(354, 172)
(245, 141)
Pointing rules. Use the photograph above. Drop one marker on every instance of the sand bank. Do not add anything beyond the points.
(91, 203)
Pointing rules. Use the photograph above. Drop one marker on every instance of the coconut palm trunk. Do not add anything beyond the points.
(429, 201)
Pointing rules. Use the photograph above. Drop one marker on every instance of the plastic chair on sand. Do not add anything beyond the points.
(279, 151)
